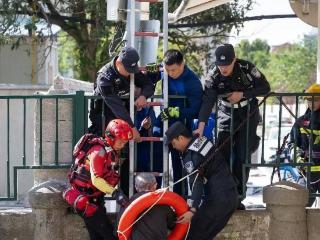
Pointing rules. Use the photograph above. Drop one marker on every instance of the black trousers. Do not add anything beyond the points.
(213, 215)
(240, 148)
(99, 225)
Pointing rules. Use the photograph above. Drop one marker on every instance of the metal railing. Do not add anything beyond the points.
(23, 116)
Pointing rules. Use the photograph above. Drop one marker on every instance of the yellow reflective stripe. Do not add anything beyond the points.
(101, 184)
(315, 168)
(315, 132)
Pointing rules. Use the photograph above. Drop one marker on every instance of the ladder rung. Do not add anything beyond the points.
(151, 139)
(148, 34)
(154, 104)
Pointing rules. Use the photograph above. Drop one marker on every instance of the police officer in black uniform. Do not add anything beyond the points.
(113, 82)
(234, 82)
(214, 181)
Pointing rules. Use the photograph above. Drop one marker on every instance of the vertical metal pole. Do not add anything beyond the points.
(131, 143)
(56, 145)
(24, 132)
(33, 52)
(318, 52)
(8, 148)
(263, 132)
(165, 94)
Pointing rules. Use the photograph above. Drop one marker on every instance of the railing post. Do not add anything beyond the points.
(79, 116)
(286, 202)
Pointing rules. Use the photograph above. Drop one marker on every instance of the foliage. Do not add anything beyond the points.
(197, 43)
(291, 69)
(288, 68)
(68, 56)
(258, 52)
(85, 22)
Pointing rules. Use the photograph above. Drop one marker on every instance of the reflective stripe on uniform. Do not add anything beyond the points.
(315, 132)
(315, 169)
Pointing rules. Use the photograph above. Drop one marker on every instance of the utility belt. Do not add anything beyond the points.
(236, 105)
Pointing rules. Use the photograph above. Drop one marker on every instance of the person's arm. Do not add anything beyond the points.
(209, 97)
(97, 156)
(114, 102)
(196, 185)
(260, 84)
(194, 93)
(195, 180)
(142, 81)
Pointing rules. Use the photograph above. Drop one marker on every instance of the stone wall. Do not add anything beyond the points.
(19, 224)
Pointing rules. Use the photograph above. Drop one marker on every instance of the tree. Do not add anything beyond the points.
(85, 22)
(288, 68)
(258, 52)
(291, 68)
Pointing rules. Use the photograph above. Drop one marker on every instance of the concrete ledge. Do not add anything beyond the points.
(48, 195)
(285, 193)
(17, 223)
(313, 219)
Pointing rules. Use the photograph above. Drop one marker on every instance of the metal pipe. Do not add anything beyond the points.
(131, 144)
(165, 179)
(318, 51)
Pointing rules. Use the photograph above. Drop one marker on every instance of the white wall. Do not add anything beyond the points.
(16, 65)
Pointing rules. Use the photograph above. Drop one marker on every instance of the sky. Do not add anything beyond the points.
(275, 31)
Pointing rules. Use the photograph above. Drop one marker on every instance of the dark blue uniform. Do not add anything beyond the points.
(187, 84)
(245, 78)
(111, 86)
(143, 148)
(301, 134)
(216, 183)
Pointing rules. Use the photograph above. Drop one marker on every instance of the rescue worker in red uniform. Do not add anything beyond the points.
(306, 134)
(96, 173)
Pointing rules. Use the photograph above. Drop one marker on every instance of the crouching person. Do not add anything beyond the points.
(95, 172)
(213, 182)
(154, 225)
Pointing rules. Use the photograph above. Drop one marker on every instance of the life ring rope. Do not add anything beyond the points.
(163, 190)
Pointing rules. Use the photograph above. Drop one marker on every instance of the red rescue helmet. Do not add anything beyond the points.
(118, 129)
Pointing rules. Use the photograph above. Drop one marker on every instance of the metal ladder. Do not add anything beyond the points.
(164, 34)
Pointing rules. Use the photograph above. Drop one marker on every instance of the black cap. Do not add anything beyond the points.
(224, 54)
(174, 131)
(129, 58)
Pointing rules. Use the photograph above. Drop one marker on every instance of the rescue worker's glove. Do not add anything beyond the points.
(170, 112)
(152, 68)
(121, 198)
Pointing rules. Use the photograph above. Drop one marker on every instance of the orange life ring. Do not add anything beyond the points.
(142, 203)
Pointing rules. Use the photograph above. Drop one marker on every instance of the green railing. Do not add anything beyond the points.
(17, 123)
(19, 119)
(296, 100)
